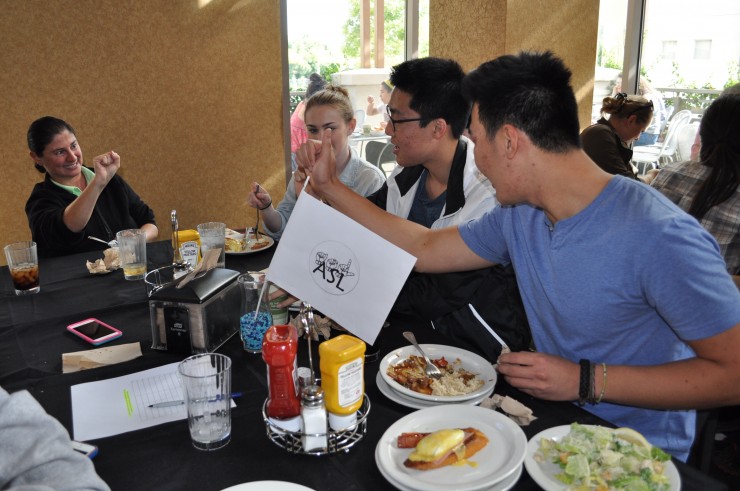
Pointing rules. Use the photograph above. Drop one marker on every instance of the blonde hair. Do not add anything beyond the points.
(335, 96)
(623, 106)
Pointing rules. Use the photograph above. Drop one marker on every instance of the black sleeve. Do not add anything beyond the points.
(380, 197)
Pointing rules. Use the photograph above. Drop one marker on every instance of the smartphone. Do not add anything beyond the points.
(94, 331)
(85, 448)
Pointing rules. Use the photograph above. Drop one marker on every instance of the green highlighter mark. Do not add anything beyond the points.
(129, 406)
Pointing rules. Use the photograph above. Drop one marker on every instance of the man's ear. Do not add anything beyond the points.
(511, 139)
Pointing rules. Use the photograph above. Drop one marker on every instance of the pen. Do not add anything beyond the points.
(234, 395)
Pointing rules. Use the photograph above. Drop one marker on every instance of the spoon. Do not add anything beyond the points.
(112, 243)
(430, 369)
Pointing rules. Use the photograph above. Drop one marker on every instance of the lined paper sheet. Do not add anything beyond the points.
(118, 405)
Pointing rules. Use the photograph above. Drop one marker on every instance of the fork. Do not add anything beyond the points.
(257, 227)
(430, 368)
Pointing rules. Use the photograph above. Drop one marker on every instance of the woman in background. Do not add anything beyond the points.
(74, 202)
(386, 87)
(709, 189)
(608, 142)
(298, 135)
(329, 108)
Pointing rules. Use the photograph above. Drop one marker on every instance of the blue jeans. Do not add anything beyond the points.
(646, 139)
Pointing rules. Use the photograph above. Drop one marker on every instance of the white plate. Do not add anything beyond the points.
(544, 473)
(250, 251)
(501, 458)
(268, 486)
(407, 401)
(469, 361)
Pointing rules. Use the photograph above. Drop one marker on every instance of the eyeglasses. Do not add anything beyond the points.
(394, 122)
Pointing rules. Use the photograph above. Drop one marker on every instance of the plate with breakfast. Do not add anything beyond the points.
(465, 375)
(415, 402)
(236, 244)
(459, 446)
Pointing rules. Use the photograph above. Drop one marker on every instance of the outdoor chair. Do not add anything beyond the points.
(379, 153)
(686, 138)
(654, 155)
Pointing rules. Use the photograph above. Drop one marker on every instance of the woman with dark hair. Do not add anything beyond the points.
(609, 141)
(74, 202)
(298, 134)
(709, 189)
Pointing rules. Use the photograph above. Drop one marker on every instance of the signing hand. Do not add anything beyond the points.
(319, 161)
(541, 375)
(105, 167)
(370, 99)
(258, 197)
(299, 178)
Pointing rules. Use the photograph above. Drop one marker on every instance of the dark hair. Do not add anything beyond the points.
(720, 150)
(623, 106)
(42, 132)
(435, 86)
(315, 84)
(530, 91)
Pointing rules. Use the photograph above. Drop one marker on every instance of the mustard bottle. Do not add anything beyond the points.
(341, 360)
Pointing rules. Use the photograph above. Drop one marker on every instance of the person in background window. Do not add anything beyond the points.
(608, 142)
(298, 134)
(709, 189)
(328, 108)
(74, 201)
(35, 451)
(386, 87)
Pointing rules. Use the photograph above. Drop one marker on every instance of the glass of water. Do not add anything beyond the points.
(213, 236)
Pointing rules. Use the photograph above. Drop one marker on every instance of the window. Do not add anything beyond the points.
(702, 49)
(669, 50)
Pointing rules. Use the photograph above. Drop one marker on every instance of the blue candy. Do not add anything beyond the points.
(253, 329)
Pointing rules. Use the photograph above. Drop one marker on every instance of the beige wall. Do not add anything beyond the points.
(481, 30)
(189, 95)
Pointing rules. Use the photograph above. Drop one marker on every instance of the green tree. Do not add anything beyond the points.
(395, 31)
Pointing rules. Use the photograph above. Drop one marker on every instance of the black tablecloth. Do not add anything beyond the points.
(33, 337)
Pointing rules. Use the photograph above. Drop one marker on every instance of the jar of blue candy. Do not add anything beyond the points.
(255, 317)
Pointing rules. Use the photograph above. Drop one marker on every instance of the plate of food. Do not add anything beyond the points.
(632, 460)
(458, 446)
(466, 375)
(415, 402)
(235, 243)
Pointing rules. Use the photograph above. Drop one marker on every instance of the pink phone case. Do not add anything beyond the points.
(110, 333)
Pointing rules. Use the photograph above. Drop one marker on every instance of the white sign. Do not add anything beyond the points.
(342, 269)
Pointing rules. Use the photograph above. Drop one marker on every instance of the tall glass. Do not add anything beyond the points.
(213, 236)
(255, 317)
(206, 381)
(132, 250)
(23, 263)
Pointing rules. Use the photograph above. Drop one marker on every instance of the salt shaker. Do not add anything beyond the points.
(313, 415)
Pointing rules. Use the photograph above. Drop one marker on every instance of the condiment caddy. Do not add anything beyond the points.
(320, 418)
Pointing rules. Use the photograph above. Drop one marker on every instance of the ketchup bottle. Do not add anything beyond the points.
(279, 348)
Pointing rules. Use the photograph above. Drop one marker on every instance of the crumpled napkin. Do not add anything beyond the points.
(111, 261)
(514, 409)
(110, 355)
(323, 326)
(207, 263)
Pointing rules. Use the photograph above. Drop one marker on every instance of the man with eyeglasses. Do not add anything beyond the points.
(437, 184)
(662, 329)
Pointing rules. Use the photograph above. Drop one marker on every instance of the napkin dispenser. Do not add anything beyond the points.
(199, 317)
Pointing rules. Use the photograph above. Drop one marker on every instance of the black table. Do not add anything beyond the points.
(33, 337)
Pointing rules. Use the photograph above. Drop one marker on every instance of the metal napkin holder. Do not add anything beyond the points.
(337, 441)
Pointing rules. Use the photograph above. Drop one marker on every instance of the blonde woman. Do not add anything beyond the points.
(328, 108)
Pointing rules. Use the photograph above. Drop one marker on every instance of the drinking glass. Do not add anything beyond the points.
(206, 381)
(132, 251)
(213, 236)
(23, 263)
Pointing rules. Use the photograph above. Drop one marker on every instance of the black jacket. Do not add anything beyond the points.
(445, 299)
(118, 208)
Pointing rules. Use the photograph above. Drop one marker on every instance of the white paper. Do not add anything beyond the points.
(342, 269)
(118, 405)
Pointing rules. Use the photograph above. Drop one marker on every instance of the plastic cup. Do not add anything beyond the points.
(132, 251)
(213, 236)
(23, 264)
(206, 381)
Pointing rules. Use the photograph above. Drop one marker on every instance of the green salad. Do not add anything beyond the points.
(599, 458)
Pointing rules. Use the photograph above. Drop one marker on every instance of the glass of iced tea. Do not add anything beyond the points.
(23, 263)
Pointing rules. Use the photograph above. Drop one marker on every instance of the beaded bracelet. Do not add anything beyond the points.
(585, 381)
